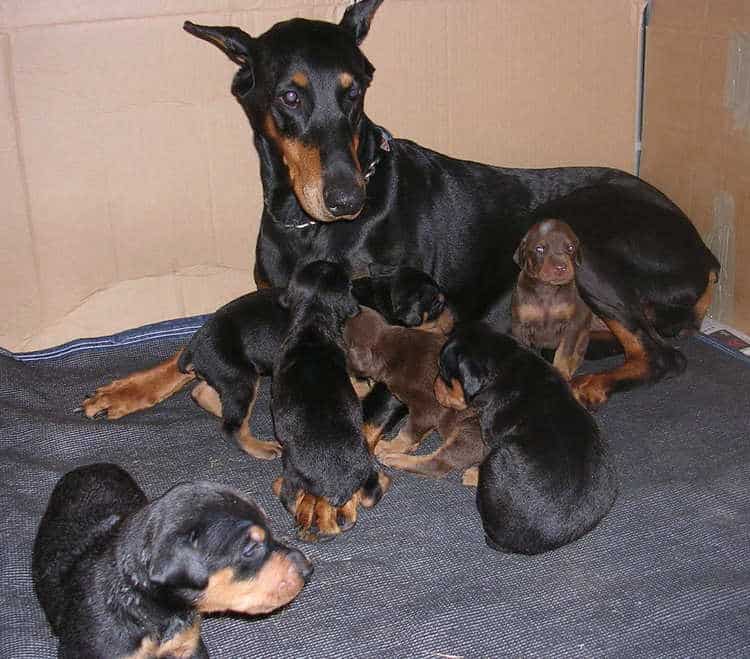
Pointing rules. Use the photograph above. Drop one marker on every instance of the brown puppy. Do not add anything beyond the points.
(406, 361)
(547, 311)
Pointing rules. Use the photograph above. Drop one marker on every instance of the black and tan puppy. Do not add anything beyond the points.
(546, 309)
(327, 466)
(548, 478)
(406, 361)
(118, 576)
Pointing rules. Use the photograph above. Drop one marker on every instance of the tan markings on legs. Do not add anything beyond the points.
(361, 386)
(568, 358)
(276, 486)
(276, 583)
(443, 324)
(452, 397)
(372, 435)
(347, 514)
(207, 398)
(138, 391)
(385, 482)
(182, 645)
(704, 301)
(471, 477)
(325, 518)
(249, 443)
(408, 439)
(593, 390)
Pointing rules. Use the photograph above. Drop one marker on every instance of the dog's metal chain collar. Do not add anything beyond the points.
(384, 145)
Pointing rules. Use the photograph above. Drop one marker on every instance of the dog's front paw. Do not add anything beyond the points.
(258, 448)
(591, 390)
(117, 399)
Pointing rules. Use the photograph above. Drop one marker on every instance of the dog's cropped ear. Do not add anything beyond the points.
(518, 256)
(238, 47)
(357, 18)
(176, 564)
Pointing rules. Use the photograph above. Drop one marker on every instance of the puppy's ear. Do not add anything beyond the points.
(357, 18)
(518, 256)
(176, 564)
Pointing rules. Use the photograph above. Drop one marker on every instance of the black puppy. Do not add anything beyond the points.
(118, 576)
(548, 478)
(239, 342)
(317, 416)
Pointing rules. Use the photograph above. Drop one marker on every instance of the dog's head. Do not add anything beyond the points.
(210, 547)
(302, 84)
(323, 284)
(418, 301)
(471, 362)
(361, 334)
(549, 252)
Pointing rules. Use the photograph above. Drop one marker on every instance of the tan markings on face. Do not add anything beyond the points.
(346, 80)
(182, 645)
(300, 79)
(257, 533)
(305, 172)
(452, 396)
(277, 583)
(355, 151)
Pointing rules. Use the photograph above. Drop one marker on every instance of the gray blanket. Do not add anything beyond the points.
(665, 574)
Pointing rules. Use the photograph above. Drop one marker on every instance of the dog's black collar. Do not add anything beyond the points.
(384, 146)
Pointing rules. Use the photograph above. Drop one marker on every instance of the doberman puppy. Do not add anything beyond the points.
(316, 414)
(118, 576)
(548, 478)
(646, 273)
(406, 361)
(546, 309)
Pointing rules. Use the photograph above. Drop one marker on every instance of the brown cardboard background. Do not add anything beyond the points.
(691, 148)
(129, 178)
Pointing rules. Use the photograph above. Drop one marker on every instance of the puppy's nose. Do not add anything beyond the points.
(298, 559)
(561, 268)
(343, 200)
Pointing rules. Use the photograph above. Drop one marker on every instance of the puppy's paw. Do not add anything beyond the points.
(471, 477)
(591, 390)
(258, 448)
(316, 519)
(396, 460)
(118, 399)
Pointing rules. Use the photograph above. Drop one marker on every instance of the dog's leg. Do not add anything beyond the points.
(137, 391)
(381, 412)
(408, 439)
(646, 360)
(248, 442)
(470, 477)
(572, 348)
(463, 447)
(208, 398)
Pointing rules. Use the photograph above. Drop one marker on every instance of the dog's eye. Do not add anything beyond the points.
(571, 248)
(290, 98)
(253, 550)
(539, 249)
(353, 93)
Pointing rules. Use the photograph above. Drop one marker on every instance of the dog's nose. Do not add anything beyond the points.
(344, 200)
(561, 268)
(298, 559)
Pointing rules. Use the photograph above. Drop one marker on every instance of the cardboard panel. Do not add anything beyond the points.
(693, 147)
(139, 165)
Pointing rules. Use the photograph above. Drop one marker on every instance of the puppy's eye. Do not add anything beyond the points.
(290, 98)
(570, 248)
(253, 550)
(539, 249)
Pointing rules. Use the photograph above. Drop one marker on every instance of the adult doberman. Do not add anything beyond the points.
(338, 187)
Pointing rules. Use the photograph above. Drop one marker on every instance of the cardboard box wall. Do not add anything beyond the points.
(696, 144)
(130, 184)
